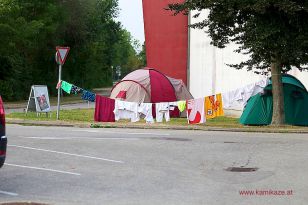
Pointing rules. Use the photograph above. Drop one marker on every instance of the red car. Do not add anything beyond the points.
(3, 139)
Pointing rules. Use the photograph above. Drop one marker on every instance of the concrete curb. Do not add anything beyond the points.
(155, 126)
(47, 123)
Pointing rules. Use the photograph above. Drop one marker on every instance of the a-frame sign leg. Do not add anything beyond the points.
(31, 96)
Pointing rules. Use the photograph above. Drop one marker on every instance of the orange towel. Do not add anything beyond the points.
(213, 106)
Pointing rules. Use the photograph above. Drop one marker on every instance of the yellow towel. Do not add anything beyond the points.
(213, 106)
(182, 105)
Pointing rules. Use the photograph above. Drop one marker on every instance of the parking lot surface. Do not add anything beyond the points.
(58, 165)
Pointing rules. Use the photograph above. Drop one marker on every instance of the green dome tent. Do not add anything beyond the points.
(259, 108)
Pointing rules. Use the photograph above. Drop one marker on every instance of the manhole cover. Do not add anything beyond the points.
(241, 169)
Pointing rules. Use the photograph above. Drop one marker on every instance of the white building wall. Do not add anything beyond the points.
(300, 75)
(209, 73)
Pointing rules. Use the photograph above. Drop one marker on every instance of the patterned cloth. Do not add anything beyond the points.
(89, 96)
(76, 90)
(213, 106)
(195, 111)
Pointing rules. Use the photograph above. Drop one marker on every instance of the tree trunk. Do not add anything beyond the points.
(278, 95)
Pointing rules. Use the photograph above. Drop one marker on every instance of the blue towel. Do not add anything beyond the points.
(89, 96)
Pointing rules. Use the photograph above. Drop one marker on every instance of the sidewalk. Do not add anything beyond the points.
(265, 129)
(67, 106)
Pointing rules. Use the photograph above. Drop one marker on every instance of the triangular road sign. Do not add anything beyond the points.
(62, 53)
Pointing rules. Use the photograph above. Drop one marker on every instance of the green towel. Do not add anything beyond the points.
(182, 105)
(67, 87)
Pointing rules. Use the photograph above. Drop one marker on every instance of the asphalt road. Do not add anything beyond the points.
(125, 166)
(84, 105)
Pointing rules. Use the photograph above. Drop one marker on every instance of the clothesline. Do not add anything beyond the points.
(243, 93)
(73, 89)
(197, 110)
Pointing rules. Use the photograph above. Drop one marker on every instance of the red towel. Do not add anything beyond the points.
(104, 109)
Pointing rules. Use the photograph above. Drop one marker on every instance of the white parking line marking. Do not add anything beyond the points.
(45, 138)
(66, 153)
(85, 138)
(8, 193)
(43, 169)
(126, 133)
(91, 131)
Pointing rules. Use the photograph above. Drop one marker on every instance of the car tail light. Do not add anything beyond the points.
(2, 113)
(2, 153)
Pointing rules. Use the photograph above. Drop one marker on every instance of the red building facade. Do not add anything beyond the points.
(166, 39)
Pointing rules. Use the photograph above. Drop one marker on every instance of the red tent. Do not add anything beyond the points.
(150, 86)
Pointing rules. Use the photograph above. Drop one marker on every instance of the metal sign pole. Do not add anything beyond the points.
(59, 92)
(61, 55)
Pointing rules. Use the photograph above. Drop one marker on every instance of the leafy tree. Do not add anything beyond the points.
(273, 32)
(30, 31)
(91, 33)
(29, 25)
(142, 55)
(125, 54)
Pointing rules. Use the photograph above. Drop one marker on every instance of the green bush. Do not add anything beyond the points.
(6, 90)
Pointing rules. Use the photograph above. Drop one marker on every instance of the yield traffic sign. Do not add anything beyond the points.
(62, 53)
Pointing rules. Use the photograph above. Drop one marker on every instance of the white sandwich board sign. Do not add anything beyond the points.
(38, 99)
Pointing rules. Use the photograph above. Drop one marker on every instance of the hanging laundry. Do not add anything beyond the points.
(195, 111)
(76, 90)
(253, 89)
(237, 99)
(58, 85)
(104, 109)
(87, 95)
(259, 86)
(174, 110)
(66, 86)
(173, 105)
(182, 105)
(126, 110)
(145, 111)
(213, 106)
(233, 99)
(162, 110)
